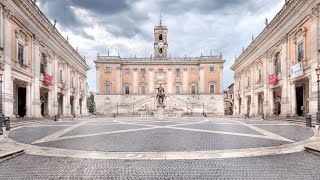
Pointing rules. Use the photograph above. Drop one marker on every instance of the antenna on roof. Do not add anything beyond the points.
(77, 48)
(235, 57)
(201, 54)
(252, 38)
(118, 54)
(160, 19)
(242, 49)
(211, 52)
(108, 52)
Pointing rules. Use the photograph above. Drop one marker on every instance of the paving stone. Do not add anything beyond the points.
(31, 134)
(292, 132)
(162, 140)
(289, 166)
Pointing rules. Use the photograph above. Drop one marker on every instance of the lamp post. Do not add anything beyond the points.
(318, 110)
(117, 110)
(187, 107)
(1, 109)
(262, 99)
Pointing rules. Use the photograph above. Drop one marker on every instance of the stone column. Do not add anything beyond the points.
(66, 98)
(135, 81)
(118, 81)
(151, 81)
(7, 94)
(169, 81)
(293, 100)
(202, 80)
(257, 105)
(315, 59)
(28, 100)
(185, 81)
(50, 103)
(98, 78)
(271, 102)
(221, 79)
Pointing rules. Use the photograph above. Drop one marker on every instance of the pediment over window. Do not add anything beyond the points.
(22, 35)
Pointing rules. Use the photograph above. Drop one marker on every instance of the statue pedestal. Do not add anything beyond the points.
(160, 111)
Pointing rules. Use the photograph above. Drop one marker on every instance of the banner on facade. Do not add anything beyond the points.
(296, 70)
(47, 80)
(273, 79)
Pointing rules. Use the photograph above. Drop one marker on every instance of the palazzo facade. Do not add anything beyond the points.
(276, 74)
(128, 85)
(42, 74)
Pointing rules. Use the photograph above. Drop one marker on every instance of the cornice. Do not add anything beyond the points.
(278, 21)
(33, 13)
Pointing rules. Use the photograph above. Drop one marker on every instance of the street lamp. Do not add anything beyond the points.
(187, 107)
(1, 109)
(318, 110)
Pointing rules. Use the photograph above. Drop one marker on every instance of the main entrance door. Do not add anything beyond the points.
(21, 101)
(299, 93)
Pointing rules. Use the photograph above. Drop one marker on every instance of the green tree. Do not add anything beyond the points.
(90, 102)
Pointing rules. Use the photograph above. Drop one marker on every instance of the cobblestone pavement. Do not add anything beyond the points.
(289, 166)
(148, 148)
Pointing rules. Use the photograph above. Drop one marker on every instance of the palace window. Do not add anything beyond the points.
(127, 71)
(43, 63)
(193, 70)
(72, 82)
(143, 71)
(211, 69)
(193, 89)
(20, 53)
(277, 63)
(127, 90)
(178, 71)
(108, 69)
(260, 75)
(177, 89)
(61, 75)
(143, 89)
(300, 52)
(108, 89)
(212, 89)
(248, 81)
(160, 71)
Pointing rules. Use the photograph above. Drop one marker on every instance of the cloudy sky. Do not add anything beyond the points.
(126, 26)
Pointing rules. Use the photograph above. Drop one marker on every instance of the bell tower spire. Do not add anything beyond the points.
(160, 40)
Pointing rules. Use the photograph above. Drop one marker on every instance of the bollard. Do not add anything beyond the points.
(7, 123)
(1, 124)
(55, 117)
(308, 121)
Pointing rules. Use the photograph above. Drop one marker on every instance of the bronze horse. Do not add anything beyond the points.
(161, 95)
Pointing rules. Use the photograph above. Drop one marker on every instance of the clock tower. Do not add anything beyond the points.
(160, 41)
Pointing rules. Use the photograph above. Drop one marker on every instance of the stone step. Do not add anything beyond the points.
(313, 148)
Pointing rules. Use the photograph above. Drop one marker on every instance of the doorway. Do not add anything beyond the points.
(80, 104)
(22, 101)
(240, 106)
(60, 103)
(299, 96)
(248, 104)
(72, 105)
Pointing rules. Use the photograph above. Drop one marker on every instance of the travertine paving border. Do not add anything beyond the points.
(215, 154)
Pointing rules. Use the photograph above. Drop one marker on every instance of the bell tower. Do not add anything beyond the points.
(160, 41)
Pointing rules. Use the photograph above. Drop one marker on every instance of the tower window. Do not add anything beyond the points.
(160, 51)
(160, 37)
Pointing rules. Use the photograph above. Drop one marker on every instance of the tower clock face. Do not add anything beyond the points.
(160, 44)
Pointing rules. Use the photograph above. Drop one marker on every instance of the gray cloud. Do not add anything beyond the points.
(195, 26)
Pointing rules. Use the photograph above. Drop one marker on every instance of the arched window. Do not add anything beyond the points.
(160, 37)
(277, 63)
(160, 51)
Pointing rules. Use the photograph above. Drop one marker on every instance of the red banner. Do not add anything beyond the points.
(47, 80)
(273, 79)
